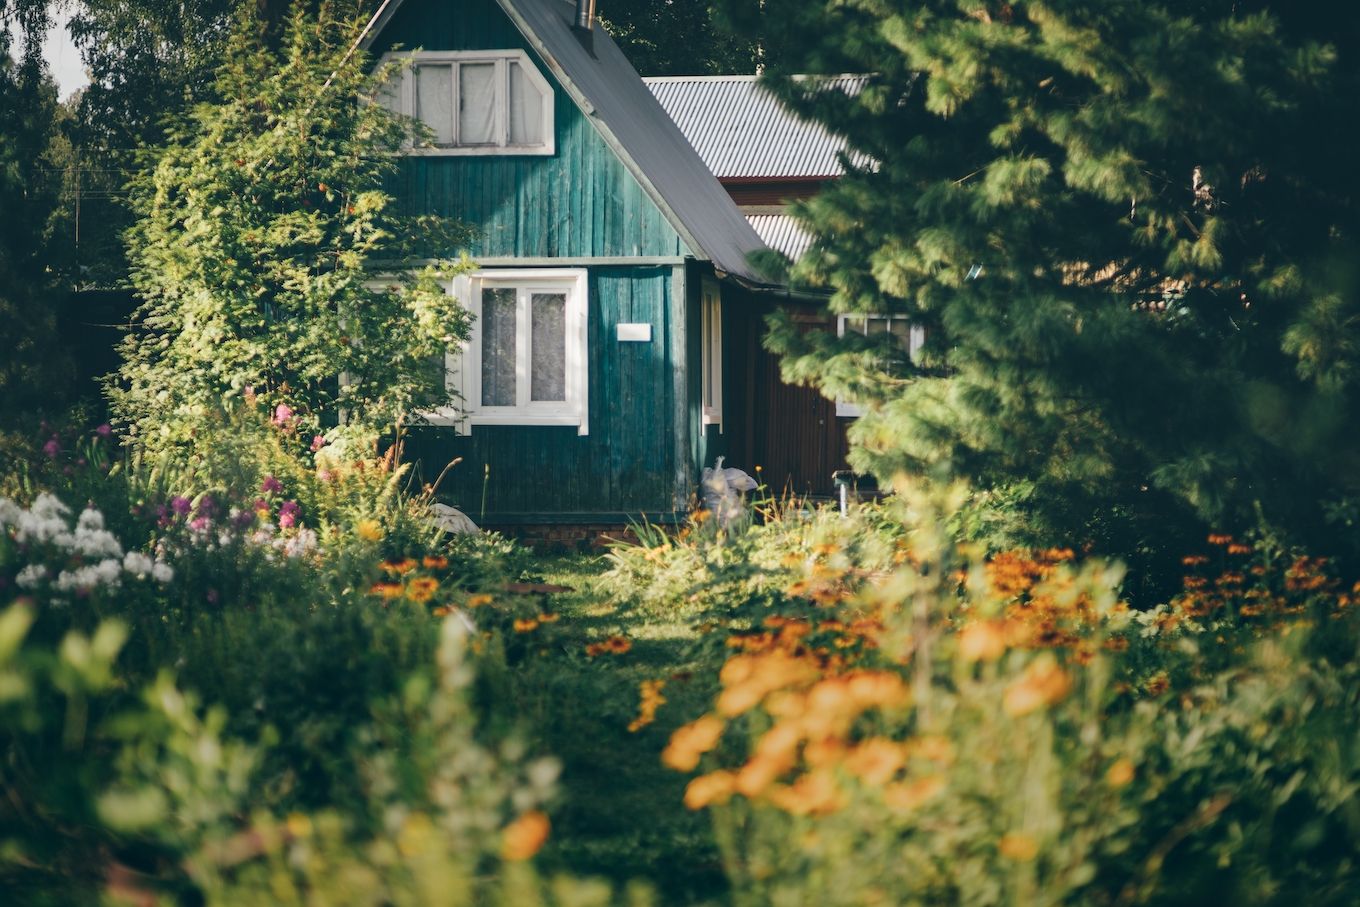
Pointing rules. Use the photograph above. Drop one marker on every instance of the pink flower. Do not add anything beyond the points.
(52, 448)
(104, 430)
(283, 415)
(318, 442)
(271, 485)
(288, 514)
(324, 475)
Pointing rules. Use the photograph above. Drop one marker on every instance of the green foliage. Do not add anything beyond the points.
(677, 37)
(35, 370)
(255, 255)
(1129, 230)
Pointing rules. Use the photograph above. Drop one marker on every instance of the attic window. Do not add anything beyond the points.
(474, 102)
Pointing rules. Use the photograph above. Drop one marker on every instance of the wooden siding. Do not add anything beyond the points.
(628, 462)
(579, 202)
(791, 431)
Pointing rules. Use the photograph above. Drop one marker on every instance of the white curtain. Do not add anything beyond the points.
(477, 104)
(526, 109)
(498, 346)
(548, 347)
(434, 101)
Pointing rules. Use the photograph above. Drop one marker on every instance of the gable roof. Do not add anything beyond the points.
(612, 95)
(741, 131)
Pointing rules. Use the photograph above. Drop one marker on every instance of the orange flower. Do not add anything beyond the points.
(421, 589)
(715, 787)
(1043, 683)
(1120, 773)
(1018, 846)
(910, 795)
(433, 562)
(982, 640)
(876, 760)
(523, 838)
(691, 741)
(815, 793)
(547, 618)
(386, 590)
(525, 624)
(476, 601)
(405, 565)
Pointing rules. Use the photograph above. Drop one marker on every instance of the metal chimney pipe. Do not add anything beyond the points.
(585, 14)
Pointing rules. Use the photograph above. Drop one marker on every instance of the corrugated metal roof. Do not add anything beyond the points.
(781, 233)
(611, 93)
(742, 131)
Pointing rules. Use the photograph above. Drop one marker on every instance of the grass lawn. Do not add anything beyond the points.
(621, 814)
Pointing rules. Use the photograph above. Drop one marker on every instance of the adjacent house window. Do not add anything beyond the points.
(910, 337)
(711, 363)
(526, 361)
(474, 102)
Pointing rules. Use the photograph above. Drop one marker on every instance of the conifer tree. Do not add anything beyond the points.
(1130, 228)
(261, 229)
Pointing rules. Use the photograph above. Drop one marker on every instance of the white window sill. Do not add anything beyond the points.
(482, 151)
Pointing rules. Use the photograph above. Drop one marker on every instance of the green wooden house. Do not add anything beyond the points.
(609, 261)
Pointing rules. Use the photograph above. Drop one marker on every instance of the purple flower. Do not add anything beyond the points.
(271, 485)
(104, 431)
(162, 516)
(52, 448)
(261, 504)
(207, 506)
(318, 442)
(180, 505)
(243, 519)
(288, 514)
(212, 596)
(283, 414)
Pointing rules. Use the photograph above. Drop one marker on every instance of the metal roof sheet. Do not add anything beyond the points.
(742, 131)
(611, 93)
(781, 233)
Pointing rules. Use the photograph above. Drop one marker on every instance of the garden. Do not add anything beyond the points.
(1095, 639)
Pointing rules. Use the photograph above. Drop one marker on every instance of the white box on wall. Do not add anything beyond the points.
(635, 333)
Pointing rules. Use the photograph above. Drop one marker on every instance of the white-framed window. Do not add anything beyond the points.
(711, 355)
(526, 362)
(474, 102)
(910, 336)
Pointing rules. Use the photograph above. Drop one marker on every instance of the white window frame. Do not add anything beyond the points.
(710, 359)
(501, 58)
(463, 362)
(916, 338)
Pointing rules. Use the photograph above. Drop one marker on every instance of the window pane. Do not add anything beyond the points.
(901, 329)
(549, 346)
(498, 346)
(477, 104)
(526, 109)
(389, 91)
(434, 101)
(877, 326)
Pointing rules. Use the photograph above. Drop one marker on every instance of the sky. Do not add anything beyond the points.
(63, 58)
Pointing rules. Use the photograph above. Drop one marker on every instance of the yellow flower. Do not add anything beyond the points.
(414, 835)
(298, 825)
(369, 530)
(421, 589)
(1120, 773)
(523, 837)
(1018, 846)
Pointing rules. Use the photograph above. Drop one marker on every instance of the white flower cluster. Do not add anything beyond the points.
(47, 523)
